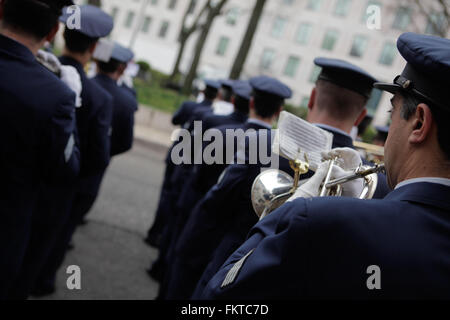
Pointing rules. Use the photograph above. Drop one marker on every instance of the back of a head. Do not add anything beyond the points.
(340, 103)
(109, 67)
(226, 94)
(241, 104)
(210, 93)
(266, 104)
(35, 18)
(77, 42)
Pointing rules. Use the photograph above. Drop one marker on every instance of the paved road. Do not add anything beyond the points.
(110, 250)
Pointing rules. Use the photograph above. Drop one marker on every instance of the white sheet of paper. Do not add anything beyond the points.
(296, 134)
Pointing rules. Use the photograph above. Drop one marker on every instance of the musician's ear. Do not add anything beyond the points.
(312, 99)
(52, 33)
(122, 68)
(422, 124)
(361, 117)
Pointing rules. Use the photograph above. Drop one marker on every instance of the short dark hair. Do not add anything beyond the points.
(339, 102)
(210, 93)
(226, 93)
(109, 67)
(266, 104)
(36, 18)
(440, 116)
(78, 42)
(241, 104)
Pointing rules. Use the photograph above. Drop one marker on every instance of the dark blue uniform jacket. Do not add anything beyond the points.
(327, 248)
(37, 111)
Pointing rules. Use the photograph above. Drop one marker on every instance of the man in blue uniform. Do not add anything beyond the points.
(38, 125)
(125, 104)
(336, 106)
(198, 179)
(265, 106)
(93, 123)
(181, 118)
(223, 106)
(395, 248)
(241, 91)
(203, 177)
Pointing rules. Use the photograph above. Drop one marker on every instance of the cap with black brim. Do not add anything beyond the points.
(427, 70)
(346, 75)
(94, 22)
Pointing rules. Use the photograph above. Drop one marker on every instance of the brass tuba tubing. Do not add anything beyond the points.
(357, 175)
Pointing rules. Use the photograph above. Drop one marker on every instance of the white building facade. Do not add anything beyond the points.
(290, 35)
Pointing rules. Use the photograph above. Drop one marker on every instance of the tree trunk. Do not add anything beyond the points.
(212, 14)
(184, 36)
(176, 68)
(247, 40)
(97, 3)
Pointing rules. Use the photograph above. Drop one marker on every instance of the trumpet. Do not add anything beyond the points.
(272, 188)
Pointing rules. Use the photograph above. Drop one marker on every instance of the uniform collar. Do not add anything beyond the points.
(65, 60)
(239, 116)
(105, 78)
(206, 103)
(442, 181)
(259, 123)
(428, 193)
(16, 48)
(341, 139)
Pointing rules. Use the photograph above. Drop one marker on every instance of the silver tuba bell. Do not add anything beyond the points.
(272, 188)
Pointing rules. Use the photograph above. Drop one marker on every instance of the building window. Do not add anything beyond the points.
(288, 2)
(388, 54)
(304, 33)
(146, 24)
(172, 4)
(267, 59)
(437, 24)
(164, 29)
(315, 74)
(130, 19)
(222, 46)
(365, 15)
(114, 12)
(342, 8)
(314, 5)
(359, 46)
(154, 2)
(374, 101)
(330, 39)
(232, 16)
(402, 18)
(292, 66)
(278, 27)
(192, 6)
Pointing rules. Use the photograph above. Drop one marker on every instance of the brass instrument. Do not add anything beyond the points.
(370, 152)
(272, 188)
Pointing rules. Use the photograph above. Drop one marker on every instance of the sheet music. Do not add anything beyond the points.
(296, 134)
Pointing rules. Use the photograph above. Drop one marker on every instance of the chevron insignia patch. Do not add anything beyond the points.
(233, 273)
